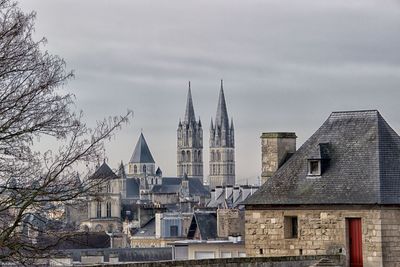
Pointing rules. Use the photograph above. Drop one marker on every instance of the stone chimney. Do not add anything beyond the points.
(276, 148)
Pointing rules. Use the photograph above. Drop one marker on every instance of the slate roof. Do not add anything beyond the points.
(149, 229)
(132, 188)
(207, 224)
(142, 153)
(362, 155)
(171, 185)
(104, 172)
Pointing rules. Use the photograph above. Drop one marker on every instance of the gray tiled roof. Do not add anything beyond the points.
(362, 156)
(132, 188)
(207, 224)
(142, 153)
(173, 184)
(104, 172)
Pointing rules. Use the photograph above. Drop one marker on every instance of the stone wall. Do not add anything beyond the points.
(323, 230)
(230, 222)
(389, 230)
(293, 261)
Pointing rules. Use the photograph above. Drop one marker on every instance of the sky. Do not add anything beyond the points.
(286, 66)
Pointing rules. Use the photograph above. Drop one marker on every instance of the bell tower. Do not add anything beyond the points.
(190, 143)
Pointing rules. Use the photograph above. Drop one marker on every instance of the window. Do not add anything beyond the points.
(173, 230)
(314, 167)
(291, 226)
(226, 254)
(108, 187)
(134, 169)
(98, 210)
(144, 168)
(108, 209)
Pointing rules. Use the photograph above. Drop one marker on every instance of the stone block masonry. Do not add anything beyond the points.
(323, 230)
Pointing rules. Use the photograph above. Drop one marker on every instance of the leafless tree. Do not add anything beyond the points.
(35, 185)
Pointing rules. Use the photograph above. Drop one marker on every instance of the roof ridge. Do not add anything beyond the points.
(355, 111)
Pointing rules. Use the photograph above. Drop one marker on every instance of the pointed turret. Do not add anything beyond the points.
(121, 171)
(189, 113)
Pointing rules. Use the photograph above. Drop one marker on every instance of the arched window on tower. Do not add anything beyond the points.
(199, 156)
(212, 156)
(135, 169)
(183, 156)
(98, 209)
(144, 168)
(108, 209)
(218, 156)
(195, 156)
(188, 156)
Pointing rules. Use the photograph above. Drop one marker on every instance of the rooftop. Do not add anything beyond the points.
(362, 156)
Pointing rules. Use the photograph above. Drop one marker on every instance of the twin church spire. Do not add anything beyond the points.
(190, 145)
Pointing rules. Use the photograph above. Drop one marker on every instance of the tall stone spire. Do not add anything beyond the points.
(189, 114)
(222, 146)
(221, 119)
(190, 143)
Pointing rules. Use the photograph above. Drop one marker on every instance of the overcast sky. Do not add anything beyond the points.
(286, 65)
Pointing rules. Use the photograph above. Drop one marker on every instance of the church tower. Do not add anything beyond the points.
(141, 162)
(222, 147)
(190, 143)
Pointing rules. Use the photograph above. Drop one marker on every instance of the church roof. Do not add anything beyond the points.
(104, 172)
(189, 113)
(171, 185)
(142, 153)
(361, 154)
(221, 119)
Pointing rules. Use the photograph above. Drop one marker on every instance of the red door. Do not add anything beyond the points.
(355, 242)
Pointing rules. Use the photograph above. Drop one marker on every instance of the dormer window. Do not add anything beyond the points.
(314, 167)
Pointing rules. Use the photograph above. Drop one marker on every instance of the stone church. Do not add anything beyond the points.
(222, 145)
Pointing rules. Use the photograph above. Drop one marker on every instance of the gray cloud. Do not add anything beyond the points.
(286, 65)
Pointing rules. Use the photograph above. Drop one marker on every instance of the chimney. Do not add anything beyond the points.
(228, 191)
(213, 194)
(236, 193)
(276, 149)
(218, 191)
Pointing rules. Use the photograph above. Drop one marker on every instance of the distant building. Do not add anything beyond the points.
(104, 209)
(222, 147)
(190, 143)
(208, 249)
(338, 194)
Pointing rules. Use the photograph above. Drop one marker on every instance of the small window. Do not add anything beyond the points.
(173, 230)
(135, 169)
(108, 209)
(314, 167)
(98, 210)
(144, 168)
(291, 227)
